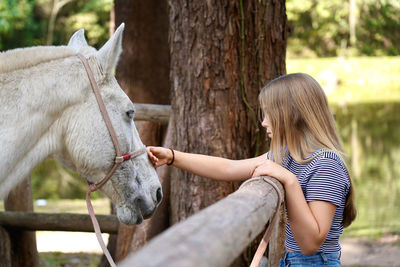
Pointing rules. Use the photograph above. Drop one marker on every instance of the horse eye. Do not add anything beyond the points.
(130, 114)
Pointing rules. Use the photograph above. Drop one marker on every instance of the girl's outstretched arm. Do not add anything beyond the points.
(216, 168)
(311, 221)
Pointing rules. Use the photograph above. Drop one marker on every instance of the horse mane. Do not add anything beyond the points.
(22, 58)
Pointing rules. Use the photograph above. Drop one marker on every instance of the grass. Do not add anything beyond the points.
(360, 80)
(51, 259)
(378, 209)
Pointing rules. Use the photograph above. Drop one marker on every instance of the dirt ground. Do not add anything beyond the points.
(356, 252)
(383, 252)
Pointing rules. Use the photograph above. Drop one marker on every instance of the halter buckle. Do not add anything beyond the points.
(123, 158)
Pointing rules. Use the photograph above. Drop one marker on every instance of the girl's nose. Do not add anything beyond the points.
(264, 123)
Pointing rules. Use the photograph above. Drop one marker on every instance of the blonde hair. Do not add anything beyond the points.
(301, 123)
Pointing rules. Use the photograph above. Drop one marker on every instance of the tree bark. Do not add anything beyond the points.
(23, 243)
(222, 52)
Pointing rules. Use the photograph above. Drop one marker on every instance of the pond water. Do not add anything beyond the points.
(371, 136)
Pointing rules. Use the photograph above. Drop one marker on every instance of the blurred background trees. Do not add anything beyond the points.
(317, 27)
(337, 27)
(40, 22)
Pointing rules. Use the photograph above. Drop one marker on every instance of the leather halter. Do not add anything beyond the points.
(118, 159)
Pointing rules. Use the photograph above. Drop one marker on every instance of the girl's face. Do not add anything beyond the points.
(266, 123)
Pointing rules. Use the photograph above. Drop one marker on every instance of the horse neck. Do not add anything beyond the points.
(31, 102)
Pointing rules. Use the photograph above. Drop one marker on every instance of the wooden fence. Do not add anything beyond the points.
(217, 235)
(33, 221)
(213, 237)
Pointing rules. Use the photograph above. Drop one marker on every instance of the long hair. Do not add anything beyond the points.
(301, 123)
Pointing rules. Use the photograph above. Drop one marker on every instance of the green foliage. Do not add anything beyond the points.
(321, 28)
(51, 180)
(317, 25)
(93, 16)
(25, 23)
(17, 20)
(379, 31)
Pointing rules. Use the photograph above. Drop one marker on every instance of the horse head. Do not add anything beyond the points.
(134, 187)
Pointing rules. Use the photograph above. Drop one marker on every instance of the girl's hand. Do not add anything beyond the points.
(159, 155)
(272, 169)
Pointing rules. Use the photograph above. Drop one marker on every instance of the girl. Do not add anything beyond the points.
(305, 156)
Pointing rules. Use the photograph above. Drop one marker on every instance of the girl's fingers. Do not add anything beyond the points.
(158, 155)
(152, 157)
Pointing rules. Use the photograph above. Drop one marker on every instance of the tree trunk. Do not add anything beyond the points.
(222, 52)
(352, 22)
(143, 73)
(23, 243)
(143, 69)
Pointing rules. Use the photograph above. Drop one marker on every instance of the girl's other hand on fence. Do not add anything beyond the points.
(159, 155)
(272, 169)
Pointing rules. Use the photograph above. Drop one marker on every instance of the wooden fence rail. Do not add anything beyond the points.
(215, 236)
(33, 221)
(152, 112)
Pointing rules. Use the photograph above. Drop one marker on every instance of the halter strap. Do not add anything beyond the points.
(118, 159)
(100, 102)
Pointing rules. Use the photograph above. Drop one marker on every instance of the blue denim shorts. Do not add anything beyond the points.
(296, 259)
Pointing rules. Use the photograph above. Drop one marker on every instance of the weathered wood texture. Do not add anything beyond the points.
(152, 112)
(216, 235)
(23, 243)
(33, 221)
(277, 246)
(5, 248)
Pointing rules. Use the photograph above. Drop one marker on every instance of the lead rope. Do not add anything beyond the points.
(97, 227)
(94, 187)
(264, 241)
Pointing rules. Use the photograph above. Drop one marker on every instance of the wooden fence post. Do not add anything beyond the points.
(5, 248)
(277, 244)
(23, 243)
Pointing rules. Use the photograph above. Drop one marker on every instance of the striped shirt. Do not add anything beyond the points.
(324, 178)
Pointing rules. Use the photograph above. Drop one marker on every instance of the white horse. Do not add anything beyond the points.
(48, 109)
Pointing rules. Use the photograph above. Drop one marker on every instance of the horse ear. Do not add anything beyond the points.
(110, 52)
(78, 40)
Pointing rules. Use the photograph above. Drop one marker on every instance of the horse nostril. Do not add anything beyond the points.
(159, 195)
(138, 201)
